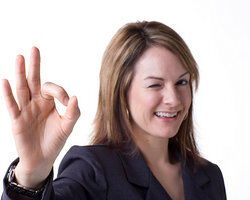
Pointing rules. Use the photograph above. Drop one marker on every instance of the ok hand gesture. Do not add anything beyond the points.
(39, 131)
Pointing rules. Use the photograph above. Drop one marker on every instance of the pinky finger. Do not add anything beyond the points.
(10, 101)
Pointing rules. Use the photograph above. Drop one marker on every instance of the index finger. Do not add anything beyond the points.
(33, 79)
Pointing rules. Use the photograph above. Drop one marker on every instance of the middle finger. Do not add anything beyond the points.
(34, 73)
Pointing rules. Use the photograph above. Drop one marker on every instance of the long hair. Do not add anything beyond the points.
(112, 125)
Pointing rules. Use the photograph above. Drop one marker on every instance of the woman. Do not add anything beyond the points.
(143, 145)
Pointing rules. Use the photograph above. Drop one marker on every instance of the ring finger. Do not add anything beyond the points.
(22, 89)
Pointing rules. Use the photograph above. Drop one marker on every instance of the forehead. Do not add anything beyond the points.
(158, 61)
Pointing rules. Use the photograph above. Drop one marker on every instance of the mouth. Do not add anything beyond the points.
(167, 115)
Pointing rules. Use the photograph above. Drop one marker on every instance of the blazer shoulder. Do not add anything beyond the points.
(85, 158)
(88, 150)
(210, 168)
(82, 166)
(215, 175)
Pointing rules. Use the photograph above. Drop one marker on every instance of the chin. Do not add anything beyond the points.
(164, 134)
(165, 131)
(156, 132)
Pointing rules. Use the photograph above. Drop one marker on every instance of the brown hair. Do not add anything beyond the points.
(112, 124)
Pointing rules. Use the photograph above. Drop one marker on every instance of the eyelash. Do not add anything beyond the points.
(180, 82)
(186, 81)
(153, 86)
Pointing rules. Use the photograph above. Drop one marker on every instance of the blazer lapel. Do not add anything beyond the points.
(135, 168)
(156, 191)
(138, 173)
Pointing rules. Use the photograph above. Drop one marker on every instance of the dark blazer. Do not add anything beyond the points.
(99, 172)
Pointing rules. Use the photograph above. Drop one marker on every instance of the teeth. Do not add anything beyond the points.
(163, 114)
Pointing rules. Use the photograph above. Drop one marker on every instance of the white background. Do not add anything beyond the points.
(72, 36)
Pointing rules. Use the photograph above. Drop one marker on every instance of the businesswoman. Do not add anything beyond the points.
(143, 144)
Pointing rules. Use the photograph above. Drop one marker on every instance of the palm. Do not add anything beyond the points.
(33, 127)
(39, 131)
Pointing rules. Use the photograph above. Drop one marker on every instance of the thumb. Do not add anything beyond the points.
(70, 116)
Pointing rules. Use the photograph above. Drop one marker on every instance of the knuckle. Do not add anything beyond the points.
(64, 134)
(45, 85)
(62, 93)
(34, 80)
(21, 86)
(78, 113)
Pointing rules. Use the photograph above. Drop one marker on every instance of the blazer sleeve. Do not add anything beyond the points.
(80, 176)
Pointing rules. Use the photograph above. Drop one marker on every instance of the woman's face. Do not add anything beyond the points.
(159, 96)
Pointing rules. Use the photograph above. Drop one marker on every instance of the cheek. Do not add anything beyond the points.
(142, 103)
(187, 98)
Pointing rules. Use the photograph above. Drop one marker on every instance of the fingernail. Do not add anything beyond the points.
(76, 100)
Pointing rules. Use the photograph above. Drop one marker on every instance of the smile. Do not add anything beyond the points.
(166, 114)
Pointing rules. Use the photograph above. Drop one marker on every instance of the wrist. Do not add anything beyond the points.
(19, 190)
(28, 179)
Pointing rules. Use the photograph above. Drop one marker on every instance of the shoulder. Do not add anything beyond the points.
(210, 168)
(204, 168)
(84, 155)
(88, 158)
(206, 176)
(88, 150)
(214, 174)
(83, 165)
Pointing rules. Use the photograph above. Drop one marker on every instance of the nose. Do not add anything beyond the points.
(171, 96)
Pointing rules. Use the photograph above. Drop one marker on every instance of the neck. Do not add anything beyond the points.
(153, 149)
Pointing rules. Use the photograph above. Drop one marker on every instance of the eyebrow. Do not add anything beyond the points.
(161, 79)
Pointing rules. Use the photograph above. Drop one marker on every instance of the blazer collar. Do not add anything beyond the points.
(138, 173)
(135, 167)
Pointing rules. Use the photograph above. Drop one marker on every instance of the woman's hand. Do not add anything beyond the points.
(39, 131)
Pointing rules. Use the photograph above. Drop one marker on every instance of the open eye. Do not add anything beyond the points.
(182, 82)
(154, 86)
